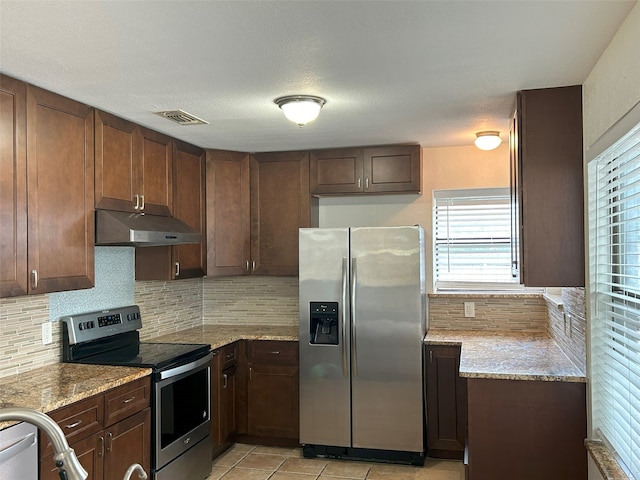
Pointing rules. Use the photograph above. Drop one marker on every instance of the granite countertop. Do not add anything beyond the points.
(221, 335)
(509, 355)
(49, 388)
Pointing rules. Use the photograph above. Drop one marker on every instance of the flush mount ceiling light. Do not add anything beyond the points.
(488, 140)
(300, 109)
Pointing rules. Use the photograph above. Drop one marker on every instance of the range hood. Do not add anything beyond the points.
(141, 230)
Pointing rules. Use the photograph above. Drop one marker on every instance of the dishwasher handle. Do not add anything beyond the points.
(10, 452)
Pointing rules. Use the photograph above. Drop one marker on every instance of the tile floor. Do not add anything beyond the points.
(249, 462)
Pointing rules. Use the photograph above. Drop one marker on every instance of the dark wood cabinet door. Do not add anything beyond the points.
(117, 162)
(228, 412)
(396, 168)
(216, 407)
(90, 452)
(60, 186)
(189, 207)
(128, 442)
(550, 188)
(273, 405)
(228, 213)
(446, 397)
(13, 188)
(155, 174)
(336, 171)
(280, 205)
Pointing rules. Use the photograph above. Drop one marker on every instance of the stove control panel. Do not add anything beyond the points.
(102, 323)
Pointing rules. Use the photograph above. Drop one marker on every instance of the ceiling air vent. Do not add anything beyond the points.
(181, 117)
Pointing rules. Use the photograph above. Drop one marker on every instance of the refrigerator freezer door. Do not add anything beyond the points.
(325, 397)
(388, 325)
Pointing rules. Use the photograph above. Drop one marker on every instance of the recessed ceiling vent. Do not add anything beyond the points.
(182, 117)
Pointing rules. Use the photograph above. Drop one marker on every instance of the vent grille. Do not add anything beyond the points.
(181, 117)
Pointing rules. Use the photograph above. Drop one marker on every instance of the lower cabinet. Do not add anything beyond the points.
(446, 402)
(273, 389)
(527, 429)
(109, 432)
(224, 398)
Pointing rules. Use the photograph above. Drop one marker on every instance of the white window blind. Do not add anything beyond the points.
(614, 243)
(472, 239)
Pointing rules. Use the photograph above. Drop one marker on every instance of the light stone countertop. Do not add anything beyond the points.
(221, 335)
(509, 355)
(48, 388)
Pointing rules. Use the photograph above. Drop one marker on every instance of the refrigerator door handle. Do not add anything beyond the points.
(345, 316)
(354, 351)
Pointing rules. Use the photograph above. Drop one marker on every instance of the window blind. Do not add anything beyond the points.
(472, 239)
(614, 244)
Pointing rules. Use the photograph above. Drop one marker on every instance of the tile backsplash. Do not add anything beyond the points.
(568, 325)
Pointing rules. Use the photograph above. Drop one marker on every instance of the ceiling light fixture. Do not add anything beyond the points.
(488, 140)
(300, 109)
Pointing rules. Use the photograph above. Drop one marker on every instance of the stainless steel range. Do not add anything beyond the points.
(181, 417)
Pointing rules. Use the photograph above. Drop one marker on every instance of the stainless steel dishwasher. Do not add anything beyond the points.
(19, 452)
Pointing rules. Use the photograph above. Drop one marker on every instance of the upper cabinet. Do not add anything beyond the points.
(47, 147)
(228, 213)
(387, 169)
(547, 187)
(189, 206)
(13, 188)
(280, 205)
(181, 261)
(133, 167)
(255, 206)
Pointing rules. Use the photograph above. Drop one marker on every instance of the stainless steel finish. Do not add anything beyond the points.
(379, 405)
(142, 202)
(359, 182)
(137, 205)
(325, 393)
(194, 464)
(367, 183)
(19, 452)
(64, 457)
(186, 368)
(129, 316)
(253, 266)
(202, 431)
(140, 230)
(345, 317)
(34, 273)
(177, 269)
(247, 267)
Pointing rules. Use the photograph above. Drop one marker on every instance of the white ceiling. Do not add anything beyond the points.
(431, 72)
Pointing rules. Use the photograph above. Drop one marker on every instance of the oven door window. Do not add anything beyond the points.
(184, 405)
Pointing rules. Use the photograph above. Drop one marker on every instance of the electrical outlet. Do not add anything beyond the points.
(469, 309)
(47, 335)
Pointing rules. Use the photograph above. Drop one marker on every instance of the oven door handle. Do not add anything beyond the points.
(172, 372)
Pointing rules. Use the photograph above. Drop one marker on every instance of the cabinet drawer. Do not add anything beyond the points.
(273, 352)
(124, 401)
(229, 355)
(77, 421)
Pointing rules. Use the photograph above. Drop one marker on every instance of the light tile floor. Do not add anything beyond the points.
(249, 462)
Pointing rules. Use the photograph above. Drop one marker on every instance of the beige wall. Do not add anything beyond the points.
(444, 168)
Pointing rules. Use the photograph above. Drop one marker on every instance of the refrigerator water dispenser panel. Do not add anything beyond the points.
(324, 323)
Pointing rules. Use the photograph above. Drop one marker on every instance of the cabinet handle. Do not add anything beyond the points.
(275, 353)
(359, 182)
(177, 269)
(430, 356)
(109, 442)
(247, 267)
(224, 380)
(141, 202)
(230, 355)
(34, 273)
(250, 373)
(137, 205)
(73, 425)
(253, 266)
(129, 400)
(366, 183)
(101, 446)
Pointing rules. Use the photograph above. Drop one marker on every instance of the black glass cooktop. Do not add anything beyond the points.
(150, 355)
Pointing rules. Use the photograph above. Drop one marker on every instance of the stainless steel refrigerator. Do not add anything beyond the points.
(362, 322)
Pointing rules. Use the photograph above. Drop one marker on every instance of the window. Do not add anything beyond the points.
(614, 245)
(472, 239)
